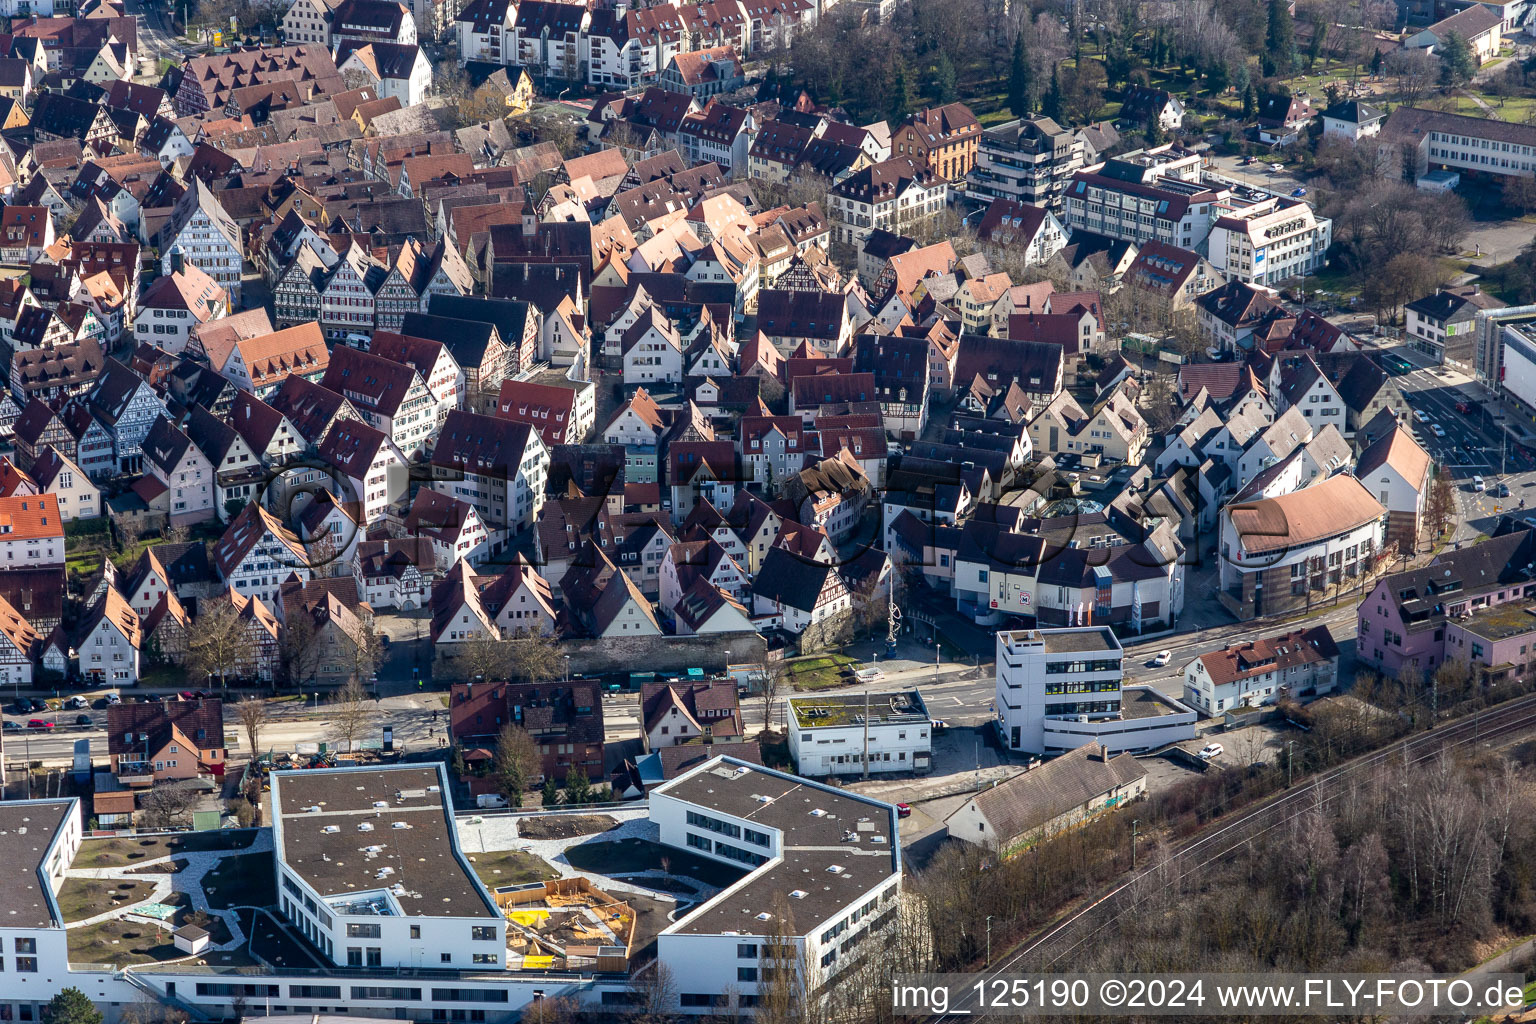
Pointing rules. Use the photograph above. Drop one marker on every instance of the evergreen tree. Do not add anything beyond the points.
(1117, 61)
(1280, 37)
(1020, 83)
(1217, 79)
(944, 79)
(1457, 64)
(71, 1006)
(1250, 103)
(578, 788)
(901, 94)
(1315, 48)
(1377, 62)
(551, 792)
(1154, 130)
(1051, 106)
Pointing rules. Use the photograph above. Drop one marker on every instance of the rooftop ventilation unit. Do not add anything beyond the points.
(365, 826)
(330, 830)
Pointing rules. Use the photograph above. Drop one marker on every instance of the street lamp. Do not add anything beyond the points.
(567, 668)
(989, 940)
(1135, 823)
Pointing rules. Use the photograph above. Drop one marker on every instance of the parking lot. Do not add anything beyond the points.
(1459, 432)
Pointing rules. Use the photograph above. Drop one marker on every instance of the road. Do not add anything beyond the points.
(154, 33)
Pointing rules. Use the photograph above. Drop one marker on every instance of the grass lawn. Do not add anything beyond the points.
(121, 943)
(83, 562)
(818, 673)
(629, 856)
(245, 879)
(80, 898)
(511, 867)
(1334, 280)
(119, 852)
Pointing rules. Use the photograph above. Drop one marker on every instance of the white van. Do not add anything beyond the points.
(1478, 485)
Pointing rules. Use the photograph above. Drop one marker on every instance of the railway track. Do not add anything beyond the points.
(1058, 943)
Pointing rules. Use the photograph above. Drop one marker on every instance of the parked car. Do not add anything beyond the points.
(203, 694)
(77, 701)
(114, 698)
(150, 698)
(21, 707)
(1211, 750)
(38, 723)
(39, 705)
(82, 719)
(1297, 193)
(12, 725)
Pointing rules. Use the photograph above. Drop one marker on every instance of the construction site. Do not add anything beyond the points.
(566, 924)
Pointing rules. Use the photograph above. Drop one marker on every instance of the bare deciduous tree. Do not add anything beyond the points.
(299, 651)
(217, 643)
(253, 715)
(168, 805)
(517, 762)
(534, 657)
(350, 711)
(482, 659)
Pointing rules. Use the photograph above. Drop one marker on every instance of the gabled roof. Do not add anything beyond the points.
(1397, 449)
(1031, 800)
(1307, 646)
(1326, 509)
(483, 445)
(200, 721)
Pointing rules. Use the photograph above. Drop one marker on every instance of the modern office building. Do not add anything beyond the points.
(38, 839)
(837, 734)
(369, 869)
(825, 880)
(1058, 689)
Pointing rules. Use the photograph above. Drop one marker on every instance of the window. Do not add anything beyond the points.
(26, 964)
(26, 945)
(363, 931)
(483, 958)
(446, 958)
(483, 933)
(746, 951)
(746, 974)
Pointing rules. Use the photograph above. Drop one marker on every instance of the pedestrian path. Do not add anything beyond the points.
(189, 881)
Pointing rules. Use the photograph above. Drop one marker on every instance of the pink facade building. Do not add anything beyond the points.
(1408, 617)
